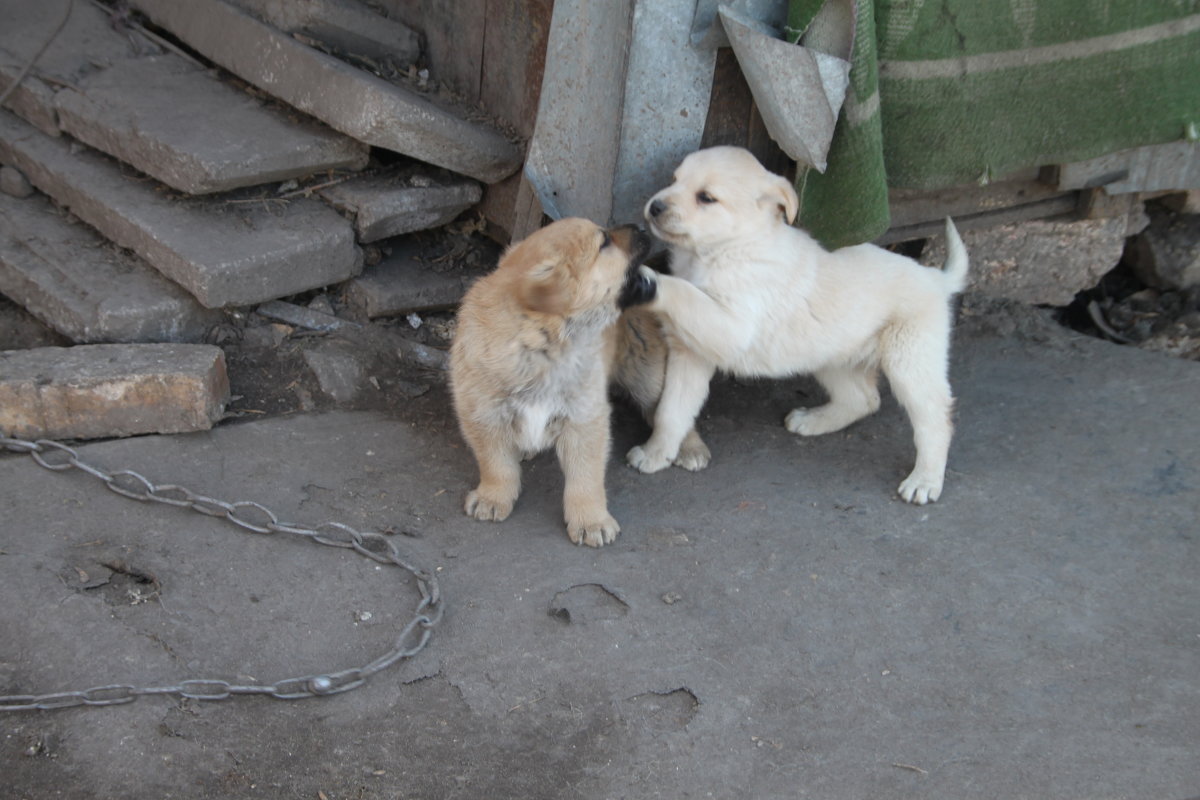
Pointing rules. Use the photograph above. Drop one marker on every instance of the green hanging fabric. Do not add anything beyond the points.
(848, 203)
(952, 92)
(976, 89)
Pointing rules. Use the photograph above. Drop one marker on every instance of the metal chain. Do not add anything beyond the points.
(256, 518)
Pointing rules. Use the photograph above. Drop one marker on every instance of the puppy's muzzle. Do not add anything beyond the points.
(655, 208)
(633, 240)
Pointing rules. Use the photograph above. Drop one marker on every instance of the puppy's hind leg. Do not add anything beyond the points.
(918, 379)
(499, 476)
(853, 394)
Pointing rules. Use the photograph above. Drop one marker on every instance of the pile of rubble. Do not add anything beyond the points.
(1152, 298)
(170, 177)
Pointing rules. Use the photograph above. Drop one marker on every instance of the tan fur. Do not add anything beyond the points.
(530, 365)
(752, 295)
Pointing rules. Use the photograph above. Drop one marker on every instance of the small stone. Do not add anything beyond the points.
(301, 317)
(391, 205)
(322, 304)
(13, 182)
(1166, 255)
(422, 355)
(338, 372)
(1144, 300)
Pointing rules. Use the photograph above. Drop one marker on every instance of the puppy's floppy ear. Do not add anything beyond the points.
(782, 194)
(543, 288)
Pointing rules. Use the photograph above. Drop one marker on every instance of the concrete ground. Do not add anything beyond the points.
(777, 626)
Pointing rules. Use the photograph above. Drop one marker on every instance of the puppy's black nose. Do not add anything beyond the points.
(657, 207)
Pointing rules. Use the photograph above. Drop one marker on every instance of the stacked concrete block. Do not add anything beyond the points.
(177, 123)
(94, 391)
(87, 42)
(224, 254)
(346, 25)
(63, 273)
(347, 99)
(170, 192)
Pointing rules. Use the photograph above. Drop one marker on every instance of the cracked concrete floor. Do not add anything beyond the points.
(777, 626)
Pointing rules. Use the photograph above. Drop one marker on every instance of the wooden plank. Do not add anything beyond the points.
(1059, 205)
(910, 207)
(493, 54)
(454, 35)
(514, 58)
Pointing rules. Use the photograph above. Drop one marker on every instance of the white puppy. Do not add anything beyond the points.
(754, 296)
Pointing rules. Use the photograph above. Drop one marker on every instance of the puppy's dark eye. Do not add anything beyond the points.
(606, 241)
(704, 198)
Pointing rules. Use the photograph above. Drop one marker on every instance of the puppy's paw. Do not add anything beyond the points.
(807, 422)
(694, 454)
(921, 489)
(593, 533)
(647, 460)
(798, 421)
(641, 286)
(486, 508)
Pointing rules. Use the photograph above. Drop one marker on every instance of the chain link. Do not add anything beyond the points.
(258, 519)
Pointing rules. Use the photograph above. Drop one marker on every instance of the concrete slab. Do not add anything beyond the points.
(1039, 262)
(346, 25)
(215, 138)
(89, 291)
(777, 626)
(350, 100)
(87, 42)
(103, 390)
(224, 253)
(391, 205)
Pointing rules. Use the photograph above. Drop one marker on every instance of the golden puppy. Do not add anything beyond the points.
(754, 296)
(530, 363)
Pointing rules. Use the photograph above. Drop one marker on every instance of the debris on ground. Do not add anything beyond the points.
(1152, 298)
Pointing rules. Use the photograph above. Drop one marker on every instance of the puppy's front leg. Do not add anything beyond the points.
(499, 476)
(583, 454)
(684, 391)
(707, 327)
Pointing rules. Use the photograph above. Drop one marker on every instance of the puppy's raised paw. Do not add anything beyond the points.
(647, 460)
(596, 533)
(641, 286)
(486, 508)
(920, 489)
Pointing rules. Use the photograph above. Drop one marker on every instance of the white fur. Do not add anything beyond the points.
(754, 296)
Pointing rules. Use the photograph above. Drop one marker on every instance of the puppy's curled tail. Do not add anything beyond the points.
(955, 268)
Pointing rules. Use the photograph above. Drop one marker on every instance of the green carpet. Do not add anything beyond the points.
(949, 92)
